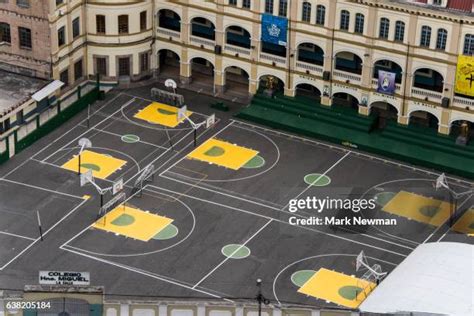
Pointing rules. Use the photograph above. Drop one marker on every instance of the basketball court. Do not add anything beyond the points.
(204, 207)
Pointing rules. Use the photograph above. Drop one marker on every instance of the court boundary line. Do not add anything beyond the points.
(233, 253)
(143, 272)
(89, 129)
(16, 235)
(74, 209)
(358, 152)
(277, 220)
(60, 137)
(41, 188)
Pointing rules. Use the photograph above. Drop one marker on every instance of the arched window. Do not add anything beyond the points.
(345, 19)
(441, 39)
(399, 31)
(359, 23)
(384, 28)
(468, 44)
(306, 12)
(283, 8)
(425, 38)
(320, 15)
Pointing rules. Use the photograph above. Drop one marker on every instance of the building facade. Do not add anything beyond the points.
(335, 49)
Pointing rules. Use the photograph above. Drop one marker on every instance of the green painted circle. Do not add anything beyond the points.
(349, 292)
(166, 233)
(123, 220)
(299, 278)
(383, 198)
(255, 162)
(91, 166)
(235, 251)
(429, 210)
(317, 180)
(215, 151)
(166, 112)
(130, 138)
(471, 226)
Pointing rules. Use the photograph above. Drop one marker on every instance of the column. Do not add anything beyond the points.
(185, 71)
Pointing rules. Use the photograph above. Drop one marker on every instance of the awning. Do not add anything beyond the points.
(46, 91)
(436, 278)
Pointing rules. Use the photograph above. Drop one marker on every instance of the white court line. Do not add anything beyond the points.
(444, 235)
(81, 135)
(277, 220)
(15, 235)
(41, 188)
(360, 153)
(118, 135)
(142, 272)
(184, 157)
(44, 234)
(233, 253)
(55, 140)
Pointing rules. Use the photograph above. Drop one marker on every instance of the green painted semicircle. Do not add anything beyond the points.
(166, 233)
(91, 166)
(299, 278)
(123, 220)
(383, 198)
(255, 162)
(166, 112)
(429, 210)
(349, 292)
(215, 151)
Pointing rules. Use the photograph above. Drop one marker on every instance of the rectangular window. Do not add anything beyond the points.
(124, 66)
(76, 27)
(282, 8)
(100, 24)
(144, 67)
(101, 66)
(5, 34)
(78, 70)
(269, 6)
(59, 2)
(143, 21)
(123, 24)
(64, 77)
(233, 2)
(25, 37)
(246, 4)
(23, 3)
(61, 36)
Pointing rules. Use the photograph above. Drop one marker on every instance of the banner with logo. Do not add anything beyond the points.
(465, 76)
(274, 29)
(386, 82)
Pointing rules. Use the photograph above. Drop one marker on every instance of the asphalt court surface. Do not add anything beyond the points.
(227, 226)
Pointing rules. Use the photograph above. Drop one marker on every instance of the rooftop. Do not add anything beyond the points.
(15, 89)
(460, 7)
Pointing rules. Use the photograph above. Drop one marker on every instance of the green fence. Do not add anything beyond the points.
(58, 120)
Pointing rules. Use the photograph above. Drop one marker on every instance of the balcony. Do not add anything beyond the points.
(307, 66)
(231, 49)
(422, 93)
(168, 33)
(273, 58)
(344, 76)
(203, 41)
(463, 102)
(375, 84)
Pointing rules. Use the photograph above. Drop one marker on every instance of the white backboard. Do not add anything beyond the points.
(117, 186)
(86, 177)
(182, 113)
(211, 120)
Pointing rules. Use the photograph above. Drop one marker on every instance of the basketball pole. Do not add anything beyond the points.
(79, 164)
(39, 225)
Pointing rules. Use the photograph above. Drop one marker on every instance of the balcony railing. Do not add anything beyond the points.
(342, 75)
(273, 58)
(375, 84)
(310, 67)
(238, 50)
(168, 33)
(463, 102)
(202, 41)
(418, 92)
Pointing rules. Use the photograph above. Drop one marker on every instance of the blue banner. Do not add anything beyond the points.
(274, 29)
(386, 83)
